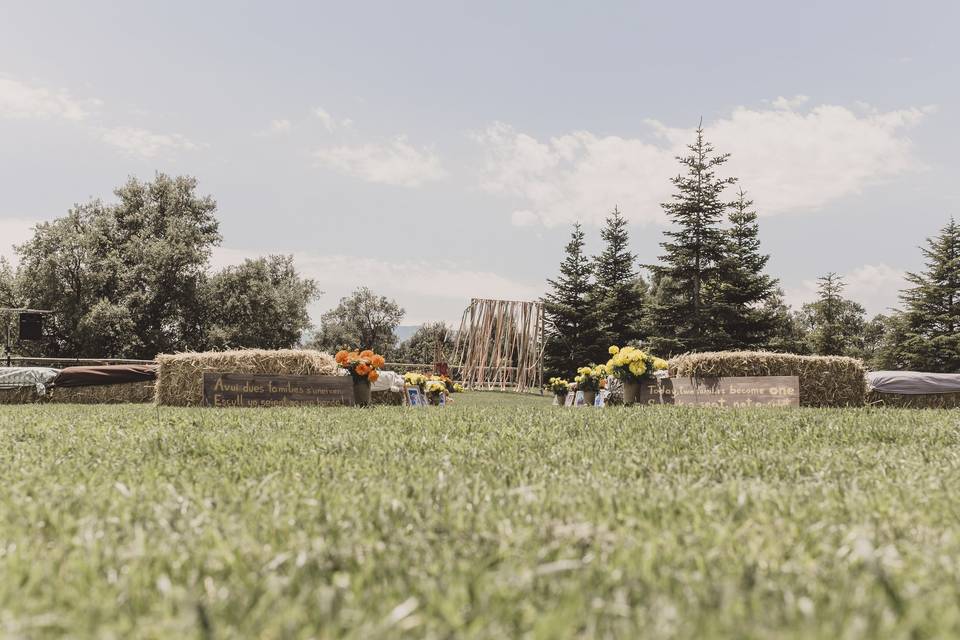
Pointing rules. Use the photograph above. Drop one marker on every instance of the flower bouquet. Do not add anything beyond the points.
(434, 389)
(590, 380)
(412, 379)
(560, 388)
(364, 368)
(632, 366)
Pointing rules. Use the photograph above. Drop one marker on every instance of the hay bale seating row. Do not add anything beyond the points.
(180, 377)
(121, 393)
(825, 381)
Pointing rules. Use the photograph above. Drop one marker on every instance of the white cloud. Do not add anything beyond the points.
(790, 103)
(397, 163)
(14, 231)
(330, 123)
(281, 126)
(21, 100)
(876, 286)
(145, 143)
(788, 160)
(576, 176)
(444, 299)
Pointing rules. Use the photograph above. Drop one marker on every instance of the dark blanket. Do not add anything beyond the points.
(106, 374)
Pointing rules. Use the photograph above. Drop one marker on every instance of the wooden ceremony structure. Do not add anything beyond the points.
(500, 345)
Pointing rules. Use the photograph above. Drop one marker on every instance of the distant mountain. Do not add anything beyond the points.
(404, 331)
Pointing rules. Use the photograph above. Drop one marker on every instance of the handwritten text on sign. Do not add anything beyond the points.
(769, 391)
(264, 390)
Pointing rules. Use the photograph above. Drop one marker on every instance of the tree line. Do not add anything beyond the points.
(709, 291)
(132, 279)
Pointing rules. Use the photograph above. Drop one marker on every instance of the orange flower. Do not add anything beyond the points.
(366, 353)
(378, 361)
(372, 376)
(341, 357)
(362, 369)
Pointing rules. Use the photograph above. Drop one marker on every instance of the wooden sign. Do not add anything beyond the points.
(768, 391)
(265, 390)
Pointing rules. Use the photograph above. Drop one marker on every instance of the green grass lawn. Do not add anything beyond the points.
(478, 521)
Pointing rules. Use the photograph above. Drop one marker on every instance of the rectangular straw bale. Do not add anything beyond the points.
(120, 393)
(825, 381)
(386, 397)
(21, 395)
(180, 377)
(914, 401)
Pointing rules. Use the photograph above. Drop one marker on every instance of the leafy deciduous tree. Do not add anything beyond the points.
(362, 320)
(261, 303)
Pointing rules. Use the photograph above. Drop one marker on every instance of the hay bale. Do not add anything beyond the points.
(21, 395)
(121, 393)
(825, 381)
(180, 378)
(913, 401)
(386, 398)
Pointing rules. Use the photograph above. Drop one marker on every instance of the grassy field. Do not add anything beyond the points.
(478, 521)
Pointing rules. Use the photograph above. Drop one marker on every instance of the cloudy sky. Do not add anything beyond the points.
(438, 151)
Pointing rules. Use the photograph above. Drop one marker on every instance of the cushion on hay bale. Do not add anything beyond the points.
(388, 381)
(180, 376)
(105, 374)
(101, 393)
(825, 381)
(915, 389)
(913, 382)
(32, 377)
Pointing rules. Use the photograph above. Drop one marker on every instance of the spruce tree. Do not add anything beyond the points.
(836, 325)
(619, 291)
(742, 287)
(572, 334)
(683, 316)
(933, 306)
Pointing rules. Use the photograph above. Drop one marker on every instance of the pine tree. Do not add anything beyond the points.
(743, 289)
(836, 325)
(933, 306)
(683, 316)
(619, 291)
(571, 320)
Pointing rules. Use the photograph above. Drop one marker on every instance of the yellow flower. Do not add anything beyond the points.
(614, 350)
(660, 364)
(638, 368)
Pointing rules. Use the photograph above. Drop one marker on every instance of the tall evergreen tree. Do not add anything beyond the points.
(619, 291)
(683, 316)
(571, 319)
(743, 289)
(933, 306)
(836, 325)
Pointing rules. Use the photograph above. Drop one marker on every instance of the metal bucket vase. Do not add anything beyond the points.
(631, 393)
(361, 392)
(589, 397)
(561, 398)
